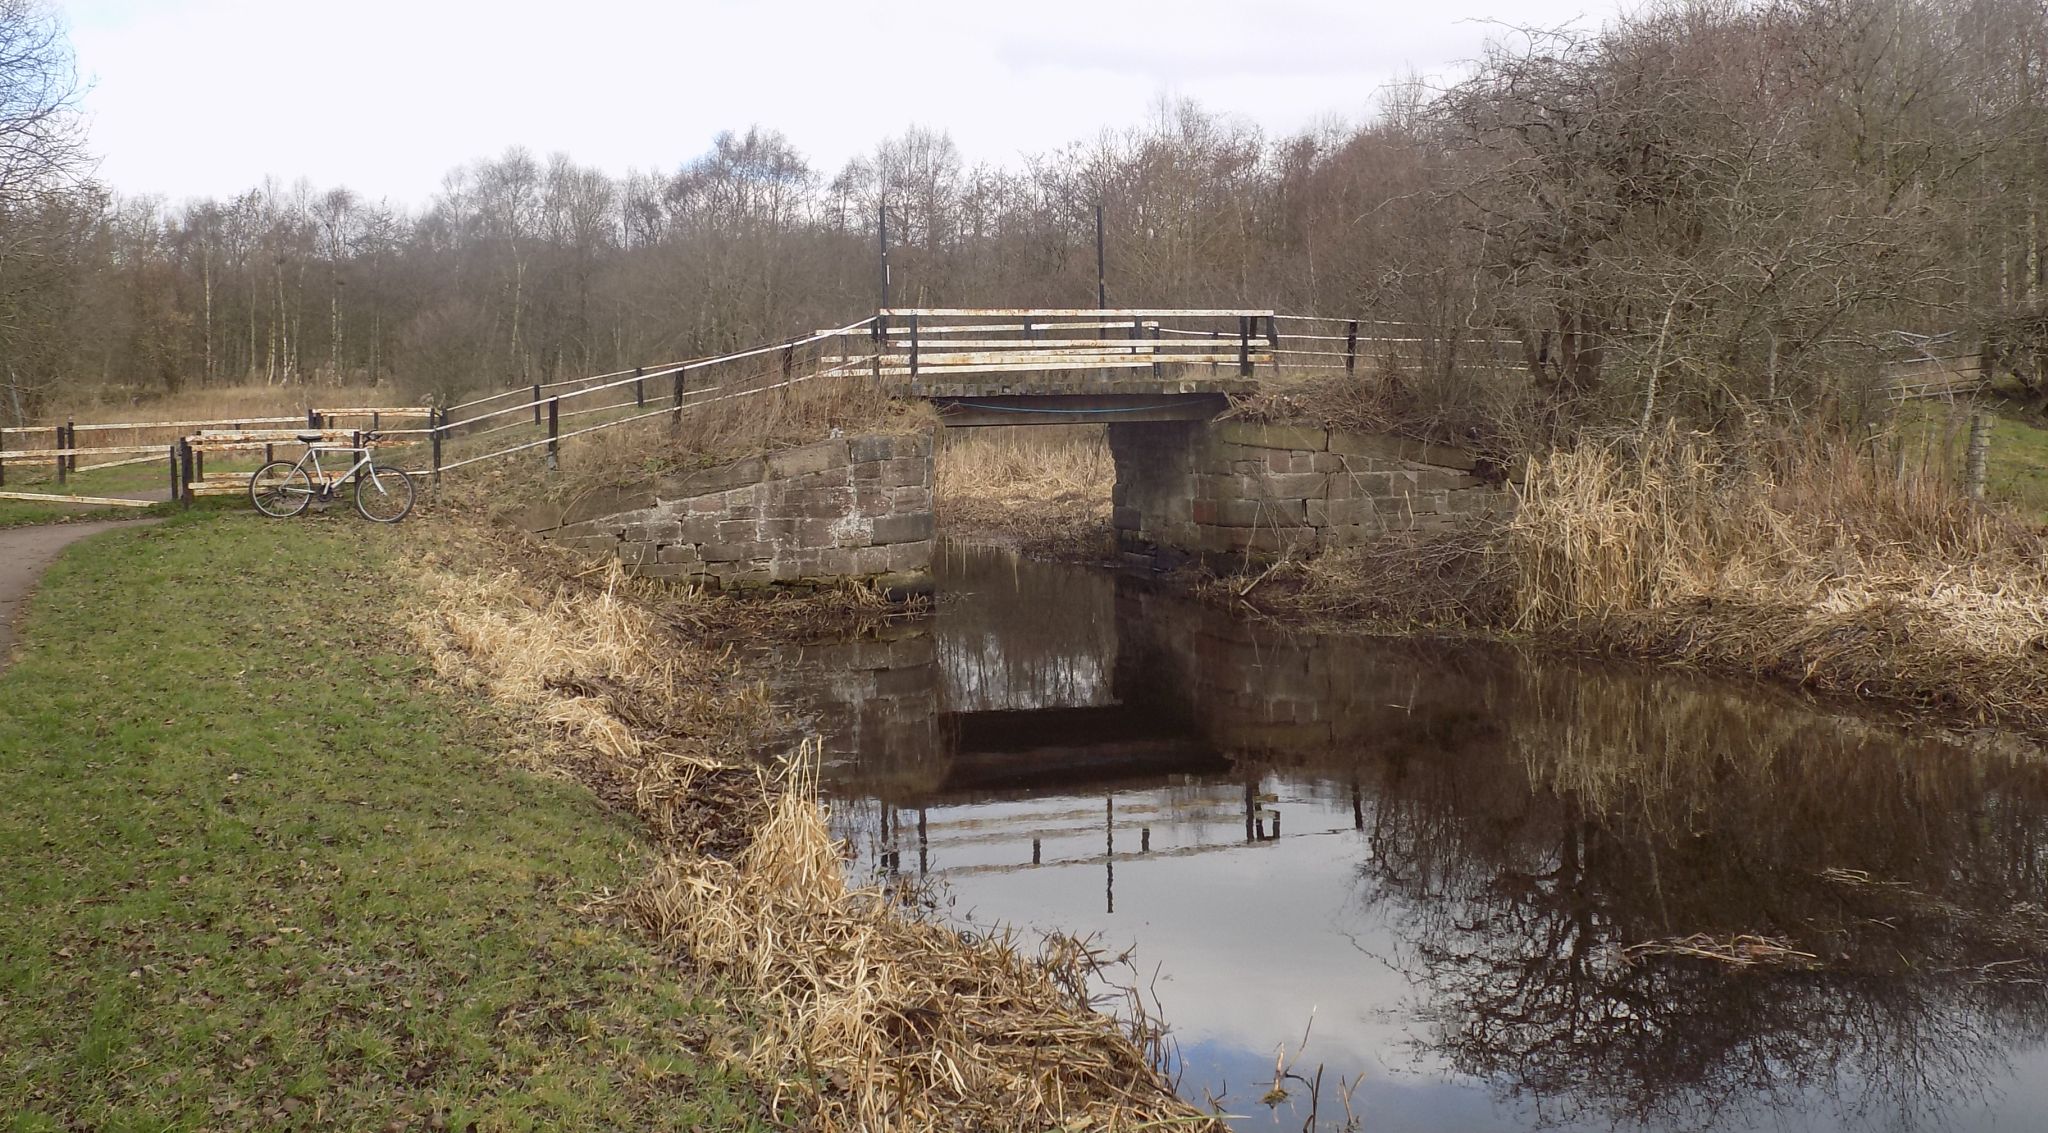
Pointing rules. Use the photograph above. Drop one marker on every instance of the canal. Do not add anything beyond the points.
(1460, 889)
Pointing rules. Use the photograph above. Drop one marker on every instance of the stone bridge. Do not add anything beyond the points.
(1190, 483)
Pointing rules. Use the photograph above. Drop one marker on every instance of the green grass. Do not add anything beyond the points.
(2016, 470)
(260, 873)
(2017, 467)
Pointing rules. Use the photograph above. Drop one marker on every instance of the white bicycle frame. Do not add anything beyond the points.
(321, 485)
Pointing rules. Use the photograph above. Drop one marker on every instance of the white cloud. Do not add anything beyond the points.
(207, 97)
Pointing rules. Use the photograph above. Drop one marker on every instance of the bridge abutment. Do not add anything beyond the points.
(1227, 492)
(848, 508)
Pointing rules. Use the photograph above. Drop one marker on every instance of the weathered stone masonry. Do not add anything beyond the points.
(845, 508)
(1233, 490)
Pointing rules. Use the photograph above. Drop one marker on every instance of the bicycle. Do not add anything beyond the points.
(282, 489)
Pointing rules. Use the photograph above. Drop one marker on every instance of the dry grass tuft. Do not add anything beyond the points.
(1044, 489)
(901, 1023)
(1804, 561)
(1741, 951)
(877, 1019)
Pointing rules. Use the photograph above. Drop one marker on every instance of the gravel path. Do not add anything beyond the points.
(25, 552)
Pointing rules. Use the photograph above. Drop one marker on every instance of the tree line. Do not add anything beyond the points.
(1700, 211)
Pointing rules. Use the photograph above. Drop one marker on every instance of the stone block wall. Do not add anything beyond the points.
(845, 508)
(1234, 490)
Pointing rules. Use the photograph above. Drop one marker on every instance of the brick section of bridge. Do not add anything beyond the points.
(1230, 490)
(845, 508)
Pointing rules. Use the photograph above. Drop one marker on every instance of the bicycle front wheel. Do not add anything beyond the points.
(383, 495)
(280, 489)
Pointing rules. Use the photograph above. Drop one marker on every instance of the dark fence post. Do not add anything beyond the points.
(312, 418)
(639, 387)
(174, 471)
(437, 421)
(1351, 349)
(913, 353)
(788, 363)
(536, 403)
(60, 454)
(554, 433)
(185, 472)
(71, 442)
(1244, 345)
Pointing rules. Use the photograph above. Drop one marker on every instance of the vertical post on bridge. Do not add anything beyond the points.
(1273, 339)
(554, 433)
(1244, 346)
(676, 422)
(1101, 264)
(1351, 349)
(913, 353)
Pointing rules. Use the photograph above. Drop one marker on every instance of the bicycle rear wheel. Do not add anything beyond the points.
(383, 495)
(280, 489)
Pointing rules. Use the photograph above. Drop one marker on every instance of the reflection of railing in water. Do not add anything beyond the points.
(1523, 825)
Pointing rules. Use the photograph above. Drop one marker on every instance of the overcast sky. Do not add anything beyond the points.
(207, 97)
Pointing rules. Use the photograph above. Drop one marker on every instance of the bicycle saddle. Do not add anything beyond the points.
(309, 438)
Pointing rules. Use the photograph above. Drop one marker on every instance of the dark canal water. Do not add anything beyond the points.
(1431, 861)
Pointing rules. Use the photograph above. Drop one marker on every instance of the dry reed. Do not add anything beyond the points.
(875, 1019)
(1044, 490)
(1803, 560)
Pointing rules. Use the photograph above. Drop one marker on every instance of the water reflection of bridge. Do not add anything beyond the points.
(1510, 828)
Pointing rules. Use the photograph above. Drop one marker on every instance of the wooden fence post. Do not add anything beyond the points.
(639, 387)
(185, 472)
(71, 442)
(554, 433)
(536, 403)
(437, 420)
(1979, 457)
(1351, 349)
(913, 353)
(175, 492)
(1244, 346)
(60, 454)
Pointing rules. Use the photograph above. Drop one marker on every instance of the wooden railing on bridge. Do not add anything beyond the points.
(906, 351)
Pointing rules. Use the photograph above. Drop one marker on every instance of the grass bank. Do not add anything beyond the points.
(1798, 558)
(263, 874)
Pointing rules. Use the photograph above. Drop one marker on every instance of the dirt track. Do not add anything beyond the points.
(25, 552)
